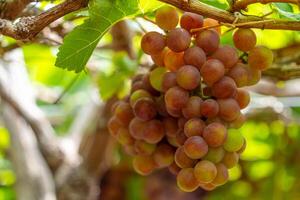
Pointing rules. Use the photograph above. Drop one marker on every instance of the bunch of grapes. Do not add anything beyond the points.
(184, 114)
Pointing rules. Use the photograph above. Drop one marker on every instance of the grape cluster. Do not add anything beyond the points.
(184, 114)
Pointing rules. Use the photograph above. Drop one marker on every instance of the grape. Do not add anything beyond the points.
(124, 112)
(166, 18)
(174, 169)
(224, 88)
(114, 106)
(137, 77)
(173, 61)
(244, 39)
(158, 58)
(163, 155)
(230, 159)
(114, 125)
(214, 155)
(161, 106)
(239, 74)
(178, 39)
(260, 58)
(242, 149)
(253, 76)
(238, 122)
(222, 175)
(129, 149)
(153, 131)
(229, 109)
(153, 43)
(174, 112)
(136, 128)
(207, 91)
(147, 85)
(188, 77)
(208, 40)
(215, 134)
(195, 147)
(168, 81)
(205, 171)
(190, 21)
(209, 108)
(143, 148)
(186, 180)
(143, 165)
(243, 98)
(156, 77)
(193, 107)
(212, 22)
(212, 71)
(171, 126)
(176, 97)
(182, 160)
(138, 94)
(124, 137)
(194, 127)
(227, 55)
(180, 138)
(234, 140)
(194, 56)
(136, 86)
(208, 186)
(145, 109)
(181, 122)
(173, 141)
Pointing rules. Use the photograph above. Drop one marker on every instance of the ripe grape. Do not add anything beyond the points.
(181, 122)
(214, 155)
(260, 58)
(194, 56)
(143, 165)
(171, 126)
(166, 18)
(227, 55)
(176, 97)
(224, 88)
(138, 94)
(145, 109)
(244, 39)
(156, 77)
(153, 131)
(178, 39)
(229, 109)
(158, 58)
(186, 180)
(174, 169)
(188, 77)
(182, 160)
(230, 159)
(173, 141)
(239, 74)
(234, 140)
(254, 76)
(209, 108)
(194, 127)
(174, 112)
(124, 137)
(193, 107)
(242, 97)
(161, 106)
(136, 86)
(163, 155)
(238, 122)
(215, 134)
(207, 22)
(143, 148)
(222, 175)
(153, 43)
(195, 147)
(212, 71)
(168, 81)
(124, 112)
(208, 40)
(208, 186)
(173, 61)
(180, 138)
(114, 125)
(190, 21)
(205, 171)
(136, 128)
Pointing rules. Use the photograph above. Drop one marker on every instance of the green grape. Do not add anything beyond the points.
(138, 94)
(156, 78)
(214, 155)
(124, 137)
(234, 140)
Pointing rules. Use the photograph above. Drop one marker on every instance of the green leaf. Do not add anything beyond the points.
(285, 10)
(79, 45)
(222, 4)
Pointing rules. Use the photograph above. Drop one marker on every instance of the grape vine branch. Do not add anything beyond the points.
(243, 4)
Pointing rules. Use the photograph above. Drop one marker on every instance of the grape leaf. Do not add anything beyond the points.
(79, 45)
(285, 10)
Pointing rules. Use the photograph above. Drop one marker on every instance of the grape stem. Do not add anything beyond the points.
(243, 4)
(224, 16)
